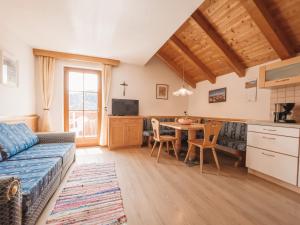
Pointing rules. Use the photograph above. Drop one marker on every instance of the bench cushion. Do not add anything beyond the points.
(35, 175)
(162, 132)
(62, 150)
(15, 138)
(234, 130)
(232, 143)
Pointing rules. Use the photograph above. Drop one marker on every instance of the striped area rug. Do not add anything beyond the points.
(90, 196)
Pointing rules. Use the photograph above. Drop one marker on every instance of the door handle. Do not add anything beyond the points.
(268, 138)
(270, 155)
(269, 129)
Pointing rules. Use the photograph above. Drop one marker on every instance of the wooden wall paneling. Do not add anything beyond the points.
(185, 50)
(218, 43)
(31, 121)
(263, 19)
(176, 69)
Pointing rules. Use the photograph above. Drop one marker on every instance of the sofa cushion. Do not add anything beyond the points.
(15, 138)
(35, 175)
(62, 150)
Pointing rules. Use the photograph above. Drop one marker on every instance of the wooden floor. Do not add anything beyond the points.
(170, 193)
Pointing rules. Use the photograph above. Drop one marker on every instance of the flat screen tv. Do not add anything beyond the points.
(125, 107)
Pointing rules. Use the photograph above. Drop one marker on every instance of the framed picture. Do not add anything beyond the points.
(8, 70)
(217, 95)
(162, 91)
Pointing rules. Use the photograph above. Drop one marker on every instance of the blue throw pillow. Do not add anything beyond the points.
(8, 141)
(25, 135)
(15, 138)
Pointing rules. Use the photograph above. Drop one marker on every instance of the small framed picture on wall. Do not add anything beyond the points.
(217, 95)
(8, 70)
(162, 91)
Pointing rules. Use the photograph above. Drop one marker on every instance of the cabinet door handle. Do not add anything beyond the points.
(282, 80)
(268, 155)
(268, 138)
(269, 129)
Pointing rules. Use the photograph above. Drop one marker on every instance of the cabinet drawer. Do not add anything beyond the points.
(280, 144)
(280, 166)
(291, 132)
(125, 121)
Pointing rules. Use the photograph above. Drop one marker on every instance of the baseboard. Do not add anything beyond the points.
(124, 147)
(274, 180)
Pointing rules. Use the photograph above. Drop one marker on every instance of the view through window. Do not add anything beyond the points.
(82, 99)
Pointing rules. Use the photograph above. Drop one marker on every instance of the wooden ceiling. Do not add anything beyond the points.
(224, 36)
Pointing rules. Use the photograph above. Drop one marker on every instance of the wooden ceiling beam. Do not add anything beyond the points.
(190, 55)
(263, 19)
(176, 69)
(63, 55)
(216, 40)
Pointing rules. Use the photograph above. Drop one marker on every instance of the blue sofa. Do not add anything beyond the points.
(31, 168)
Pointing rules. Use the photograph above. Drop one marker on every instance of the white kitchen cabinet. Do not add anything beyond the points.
(280, 166)
(275, 143)
(274, 151)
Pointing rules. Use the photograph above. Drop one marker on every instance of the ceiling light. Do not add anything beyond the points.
(183, 91)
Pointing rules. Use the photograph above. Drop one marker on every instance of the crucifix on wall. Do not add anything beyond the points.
(124, 87)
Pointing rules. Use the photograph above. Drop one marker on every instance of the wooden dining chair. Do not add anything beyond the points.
(211, 133)
(161, 139)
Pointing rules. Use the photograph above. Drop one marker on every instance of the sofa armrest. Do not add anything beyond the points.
(56, 137)
(10, 201)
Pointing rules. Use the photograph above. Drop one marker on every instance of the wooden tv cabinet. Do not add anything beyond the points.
(125, 131)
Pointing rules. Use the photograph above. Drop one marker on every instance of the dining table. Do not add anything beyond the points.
(190, 128)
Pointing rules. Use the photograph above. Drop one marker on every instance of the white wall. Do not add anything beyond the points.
(142, 86)
(236, 105)
(16, 101)
(142, 82)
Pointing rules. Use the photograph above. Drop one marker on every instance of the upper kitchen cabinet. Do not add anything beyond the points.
(283, 73)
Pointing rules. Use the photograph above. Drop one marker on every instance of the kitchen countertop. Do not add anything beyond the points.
(271, 123)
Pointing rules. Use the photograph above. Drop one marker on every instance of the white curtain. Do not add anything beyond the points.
(106, 81)
(46, 67)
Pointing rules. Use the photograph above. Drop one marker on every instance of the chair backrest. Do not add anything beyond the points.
(211, 133)
(155, 127)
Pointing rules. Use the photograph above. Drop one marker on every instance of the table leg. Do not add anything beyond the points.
(192, 135)
(178, 140)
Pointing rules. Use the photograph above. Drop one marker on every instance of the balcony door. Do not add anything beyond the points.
(82, 104)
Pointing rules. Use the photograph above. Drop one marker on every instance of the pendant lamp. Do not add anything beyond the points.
(183, 91)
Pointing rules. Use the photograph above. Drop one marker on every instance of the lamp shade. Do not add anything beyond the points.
(182, 92)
